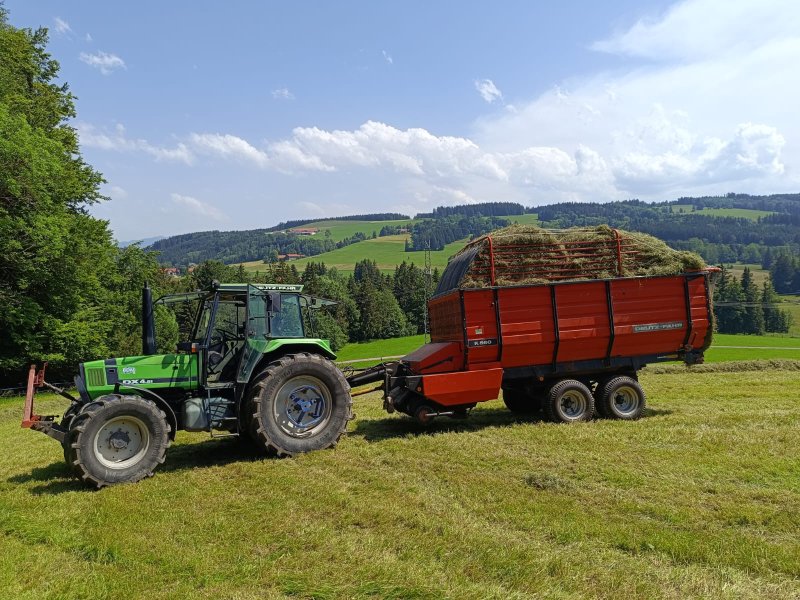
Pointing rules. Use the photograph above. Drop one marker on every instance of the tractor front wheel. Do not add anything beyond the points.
(299, 403)
(117, 439)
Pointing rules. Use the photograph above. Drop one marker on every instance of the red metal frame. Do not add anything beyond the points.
(35, 380)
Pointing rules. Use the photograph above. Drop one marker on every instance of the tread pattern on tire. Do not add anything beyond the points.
(73, 453)
(604, 400)
(554, 395)
(257, 430)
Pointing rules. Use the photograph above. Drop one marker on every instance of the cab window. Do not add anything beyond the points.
(288, 322)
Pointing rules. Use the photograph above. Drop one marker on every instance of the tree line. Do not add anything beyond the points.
(370, 304)
(741, 306)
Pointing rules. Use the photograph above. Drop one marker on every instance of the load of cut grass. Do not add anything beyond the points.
(526, 254)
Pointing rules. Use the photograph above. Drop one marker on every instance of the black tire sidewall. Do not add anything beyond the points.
(152, 418)
(555, 394)
(607, 398)
(281, 372)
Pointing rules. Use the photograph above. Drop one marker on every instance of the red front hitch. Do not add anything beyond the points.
(35, 380)
(44, 423)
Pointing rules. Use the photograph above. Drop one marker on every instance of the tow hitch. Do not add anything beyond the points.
(44, 423)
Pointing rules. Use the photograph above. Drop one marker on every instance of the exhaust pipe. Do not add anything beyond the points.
(148, 322)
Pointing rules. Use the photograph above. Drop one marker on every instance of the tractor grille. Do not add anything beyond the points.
(95, 377)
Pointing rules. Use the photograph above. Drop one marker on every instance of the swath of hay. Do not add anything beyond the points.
(526, 254)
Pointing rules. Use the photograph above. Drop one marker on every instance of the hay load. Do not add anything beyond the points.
(525, 254)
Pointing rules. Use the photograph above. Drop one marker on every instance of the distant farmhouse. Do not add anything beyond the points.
(285, 257)
(173, 271)
(304, 231)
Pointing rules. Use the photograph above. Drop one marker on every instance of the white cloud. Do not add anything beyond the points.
(690, 117)
(488, 90)
(105, 62)
(118, 142)
(282, 94)
(61, 26)
(228, 146)
(197, 207)
(88, 37)
(387, 57)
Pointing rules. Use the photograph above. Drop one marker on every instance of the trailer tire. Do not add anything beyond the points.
(569, 401)
(621, 398)
(117, 439)
(300, 403)
(519, 401)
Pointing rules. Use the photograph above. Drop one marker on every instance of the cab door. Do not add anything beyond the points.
(256, 332)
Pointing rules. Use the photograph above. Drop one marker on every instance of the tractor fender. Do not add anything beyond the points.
(159, 401)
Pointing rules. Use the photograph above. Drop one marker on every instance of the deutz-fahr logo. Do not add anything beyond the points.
(136, 381)
(129, 370)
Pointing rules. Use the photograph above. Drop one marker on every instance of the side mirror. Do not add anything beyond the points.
(190, 347)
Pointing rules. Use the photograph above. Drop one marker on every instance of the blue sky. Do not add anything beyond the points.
(207, 116)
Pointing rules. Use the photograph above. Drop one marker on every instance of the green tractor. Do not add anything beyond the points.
(251, 368)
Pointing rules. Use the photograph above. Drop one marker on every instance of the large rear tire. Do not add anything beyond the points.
(569, 401)
(300, 403)
(621, 398)
(117, 439)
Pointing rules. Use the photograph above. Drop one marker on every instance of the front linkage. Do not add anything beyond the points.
(45, 423)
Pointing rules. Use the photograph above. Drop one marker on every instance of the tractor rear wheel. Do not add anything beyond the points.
(520, 401)
(569, 401)
(300, 403)
(621, 398)
(117, 439)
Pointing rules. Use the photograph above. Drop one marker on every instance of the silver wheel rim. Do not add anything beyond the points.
(121, 442)
(303, 406)
(625, 400)
(572, 404)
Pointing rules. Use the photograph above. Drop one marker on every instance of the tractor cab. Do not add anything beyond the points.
(235, 325)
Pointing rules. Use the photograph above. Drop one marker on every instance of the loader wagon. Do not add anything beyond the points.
(570, 347)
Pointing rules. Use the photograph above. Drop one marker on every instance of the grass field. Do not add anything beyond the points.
(739, 213)
(701, 498)
(344, 229)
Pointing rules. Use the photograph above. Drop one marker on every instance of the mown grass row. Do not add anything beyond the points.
(701, 498)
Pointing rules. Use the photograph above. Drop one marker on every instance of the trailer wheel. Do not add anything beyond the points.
(621, 398)
(300, 403)
(519, 401)
(569, 401)
(117, 439)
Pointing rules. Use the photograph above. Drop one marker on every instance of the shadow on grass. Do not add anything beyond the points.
(404, 426)
(57, 479)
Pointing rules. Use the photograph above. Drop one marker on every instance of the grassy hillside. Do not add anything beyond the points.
(388, 252)
(738, 213)
(344, 229)
(701, 498)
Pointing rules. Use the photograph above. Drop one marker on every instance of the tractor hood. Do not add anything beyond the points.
(156, 371)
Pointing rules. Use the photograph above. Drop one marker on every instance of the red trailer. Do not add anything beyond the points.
(569, 347)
